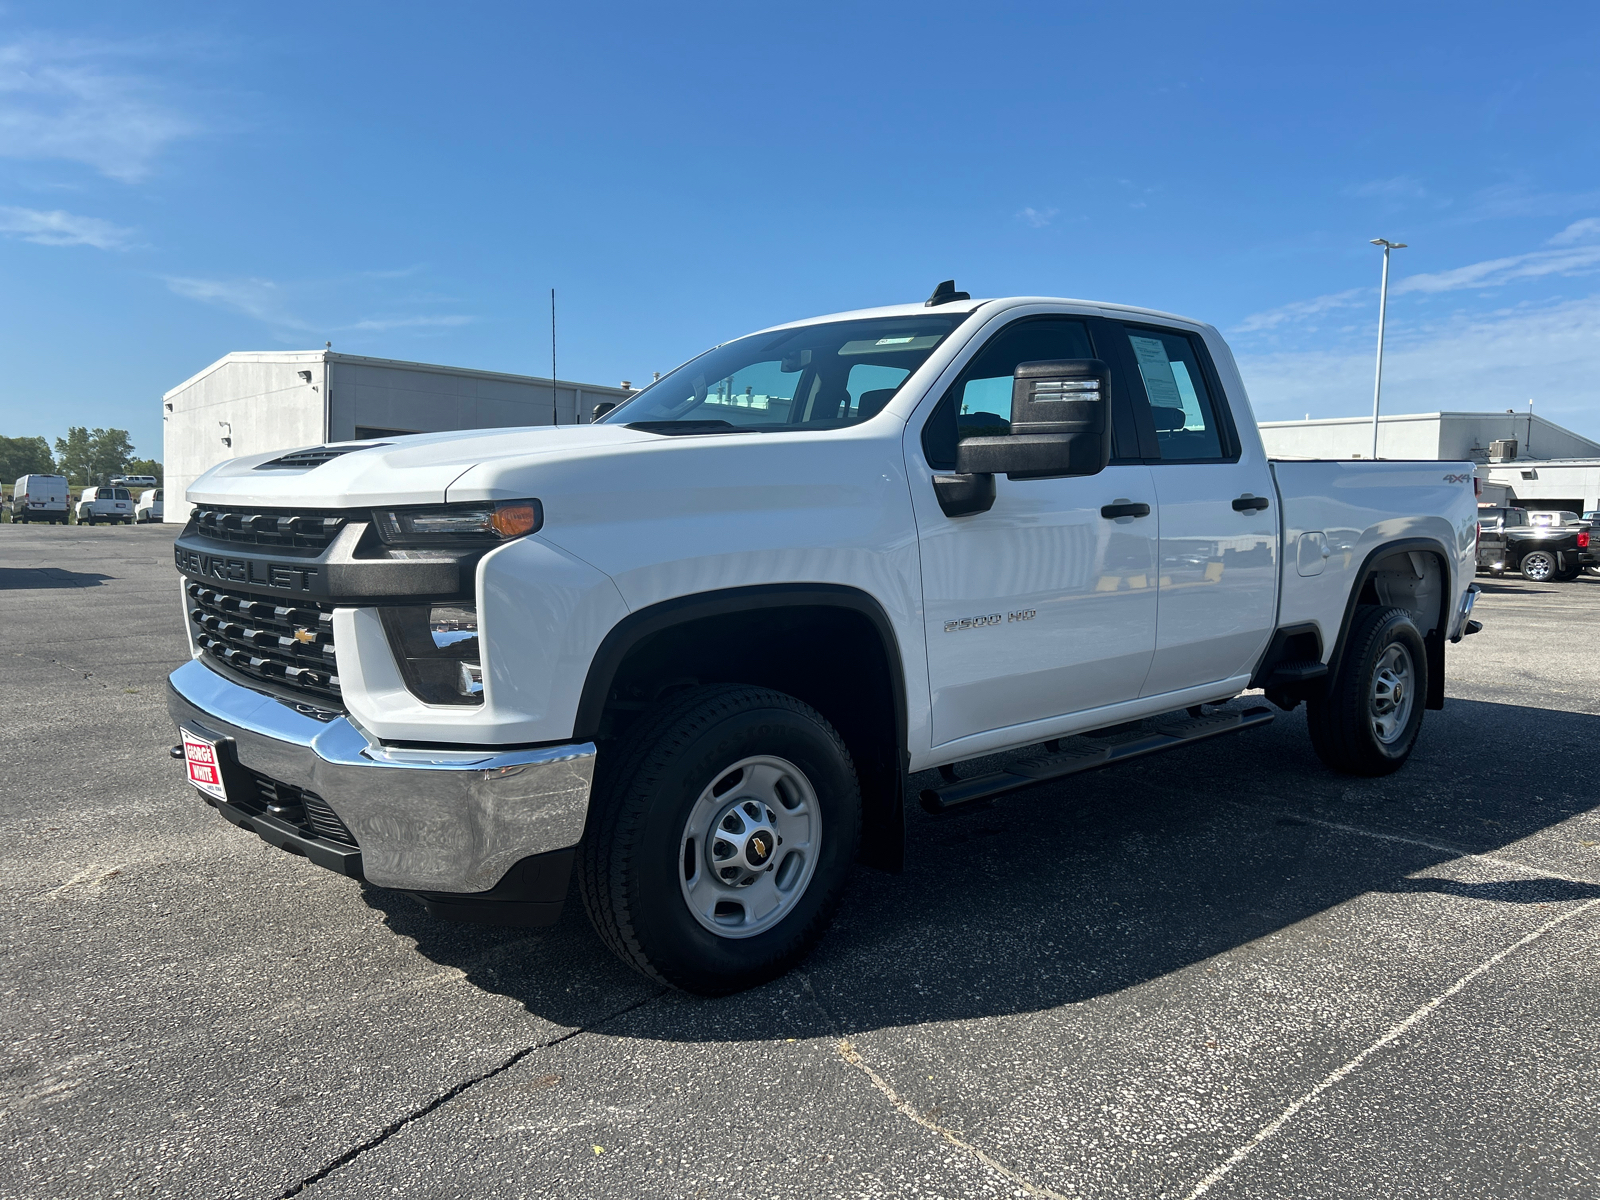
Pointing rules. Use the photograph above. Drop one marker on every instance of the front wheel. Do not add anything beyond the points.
(1367, 723)
(721, 838)
(1538, 566)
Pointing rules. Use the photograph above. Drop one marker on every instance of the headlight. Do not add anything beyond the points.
(436, 646)
(478, 524)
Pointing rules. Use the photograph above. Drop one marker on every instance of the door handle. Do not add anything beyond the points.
(1123, 509)
(1251, 504)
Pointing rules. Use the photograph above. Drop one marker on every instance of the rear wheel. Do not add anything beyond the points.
(1539, 566)
(1368, 722)
(1569, 572)
(720, 839)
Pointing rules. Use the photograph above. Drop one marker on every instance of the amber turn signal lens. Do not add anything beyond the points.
(514, 520)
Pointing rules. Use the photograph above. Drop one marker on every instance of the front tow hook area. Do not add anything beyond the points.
(175, 751)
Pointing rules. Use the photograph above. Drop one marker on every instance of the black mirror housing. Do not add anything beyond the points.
(1060, 424)
(602, 409)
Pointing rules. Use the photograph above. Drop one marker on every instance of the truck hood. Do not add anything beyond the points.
(416, 469)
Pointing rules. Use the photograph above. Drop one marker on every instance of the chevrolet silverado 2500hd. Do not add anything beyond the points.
(690, 652)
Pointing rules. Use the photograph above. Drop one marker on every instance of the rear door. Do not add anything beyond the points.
(1041, 606)
(1218, 580)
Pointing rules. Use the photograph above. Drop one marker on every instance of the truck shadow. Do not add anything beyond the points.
(1100, 883)
(38, 578)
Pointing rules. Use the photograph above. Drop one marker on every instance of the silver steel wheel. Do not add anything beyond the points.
(1393, 686)
(1538, 566)
(749, 847)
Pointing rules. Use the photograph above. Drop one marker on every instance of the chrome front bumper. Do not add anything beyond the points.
(426, 820)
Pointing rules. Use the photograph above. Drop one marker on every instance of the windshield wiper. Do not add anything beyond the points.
(680, 428)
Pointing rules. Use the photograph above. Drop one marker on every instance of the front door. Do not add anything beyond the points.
(1041, 606)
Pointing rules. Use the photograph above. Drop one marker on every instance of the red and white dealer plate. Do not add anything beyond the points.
(203, 759)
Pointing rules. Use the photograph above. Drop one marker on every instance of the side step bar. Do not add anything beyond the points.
(1087, 753)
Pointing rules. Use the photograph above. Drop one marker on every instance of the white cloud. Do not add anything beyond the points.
(272, 304)
(58, 228)
(259, 298)
(1497, 272)
(61, 100)
(1038, 218)
(380, 324)
(1302, 310)
(1579, 231)
(1401, 187)
(1486, 362)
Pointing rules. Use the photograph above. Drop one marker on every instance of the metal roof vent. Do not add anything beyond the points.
(305, 460)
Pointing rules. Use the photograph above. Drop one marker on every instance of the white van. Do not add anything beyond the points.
(105, 504)
(148, 507)
(39, 498)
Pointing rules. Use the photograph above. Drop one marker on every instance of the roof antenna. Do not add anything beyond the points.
(945, 293)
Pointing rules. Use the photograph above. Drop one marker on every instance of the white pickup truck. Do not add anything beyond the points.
(692, 651)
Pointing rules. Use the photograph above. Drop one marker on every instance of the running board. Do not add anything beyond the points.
(1088, 753)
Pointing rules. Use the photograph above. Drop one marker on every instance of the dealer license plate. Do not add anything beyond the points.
(203, 758)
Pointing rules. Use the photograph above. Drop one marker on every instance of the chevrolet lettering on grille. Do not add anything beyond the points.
(283, 576)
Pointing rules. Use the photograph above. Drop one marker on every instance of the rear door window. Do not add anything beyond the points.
(1187, 424)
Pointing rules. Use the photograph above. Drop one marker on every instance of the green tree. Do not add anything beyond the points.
(24, 456)
(93, 456)
(72, 454)
(110, 452)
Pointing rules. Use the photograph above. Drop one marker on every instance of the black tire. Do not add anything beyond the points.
(91, 519)
(631, 864)
(1538, 566)
(1344, 724)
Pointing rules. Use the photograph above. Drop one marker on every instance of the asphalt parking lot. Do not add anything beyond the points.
(1225, 971)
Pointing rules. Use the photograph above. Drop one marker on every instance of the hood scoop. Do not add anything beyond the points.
(305, 460)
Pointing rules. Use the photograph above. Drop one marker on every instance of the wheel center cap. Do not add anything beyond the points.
(758, 847)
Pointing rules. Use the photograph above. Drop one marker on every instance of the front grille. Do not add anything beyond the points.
(290, 644)
(305, 812)
(296, 529)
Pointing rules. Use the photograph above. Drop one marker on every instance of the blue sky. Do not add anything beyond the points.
(182, 180)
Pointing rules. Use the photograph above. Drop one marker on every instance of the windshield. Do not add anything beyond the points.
(814, 377)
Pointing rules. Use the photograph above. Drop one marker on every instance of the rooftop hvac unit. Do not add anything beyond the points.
(1503, 450)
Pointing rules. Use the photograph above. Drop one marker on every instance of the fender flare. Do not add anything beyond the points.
(1435, 643)
(883, 785)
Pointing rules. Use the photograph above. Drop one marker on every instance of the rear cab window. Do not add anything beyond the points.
(1183, 399)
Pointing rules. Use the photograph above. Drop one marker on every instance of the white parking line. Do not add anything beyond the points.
(1457, 851)
(1288, 1114)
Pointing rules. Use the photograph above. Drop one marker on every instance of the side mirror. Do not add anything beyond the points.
(1059, 424)
(602, 409)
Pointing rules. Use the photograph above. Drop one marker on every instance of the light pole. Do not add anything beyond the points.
(1383, 304)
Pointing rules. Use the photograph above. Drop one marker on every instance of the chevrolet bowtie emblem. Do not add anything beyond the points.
(305, 635)
(761, 847)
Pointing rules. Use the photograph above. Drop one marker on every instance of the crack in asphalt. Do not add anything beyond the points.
(906, 1109)
(416, 1114)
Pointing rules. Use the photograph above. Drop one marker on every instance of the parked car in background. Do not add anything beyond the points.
(148, 508)
(135, 483)
(39, 498)
(105, 504)
(1509, 540)
(1550, 519)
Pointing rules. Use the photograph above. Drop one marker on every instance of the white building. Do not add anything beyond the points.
(1523, 459)
(254, 401)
